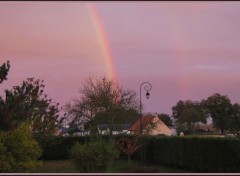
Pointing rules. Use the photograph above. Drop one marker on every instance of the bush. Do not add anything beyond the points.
(94, 156)
(18, 150)
(6, 158)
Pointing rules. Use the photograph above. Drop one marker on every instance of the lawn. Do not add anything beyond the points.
(119, 166)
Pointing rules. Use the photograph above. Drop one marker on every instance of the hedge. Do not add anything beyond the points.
(58, 147)
(197, 154)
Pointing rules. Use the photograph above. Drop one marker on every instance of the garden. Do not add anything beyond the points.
(117, 154)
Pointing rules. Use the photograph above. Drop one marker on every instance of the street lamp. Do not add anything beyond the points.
(147, 87)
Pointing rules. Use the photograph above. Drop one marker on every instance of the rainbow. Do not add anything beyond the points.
(181, 57)
(105, 48)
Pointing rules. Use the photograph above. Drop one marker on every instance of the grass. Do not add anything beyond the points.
(119, 166)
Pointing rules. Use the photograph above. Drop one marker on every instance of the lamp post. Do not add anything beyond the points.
(147, 87)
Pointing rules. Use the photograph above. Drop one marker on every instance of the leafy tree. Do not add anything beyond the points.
(166, 119)
(4, 71)
(27, 102)
(189, 112)
(219, 108)
(19, 151)
(103, 101)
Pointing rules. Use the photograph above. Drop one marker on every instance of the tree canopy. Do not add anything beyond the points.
(166, 119)
(103, 101)
(4, 71)
(225, 115)
(28, 102)
(189, 112)
(219, 107)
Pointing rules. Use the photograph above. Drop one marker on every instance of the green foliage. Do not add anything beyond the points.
(95, 155)
(28, 103)
(189, 112)
(219, 108)
(57, 147)
(6, 158)
(198, 154)
(225, 115)
(19, 151)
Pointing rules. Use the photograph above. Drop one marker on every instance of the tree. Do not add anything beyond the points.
(189, 112)
(166, 119)
(18, 150)
(234, 119)
(4, 71)
(128, 146)
(28, 103)
(219, 107)
(105, 101)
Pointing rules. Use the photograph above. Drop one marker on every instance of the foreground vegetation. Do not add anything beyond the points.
(119, 166)
(195, 153)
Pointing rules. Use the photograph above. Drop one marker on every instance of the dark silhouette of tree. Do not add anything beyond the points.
(166, 119)
(103, 100)
(234, 119)
(4, 71)
(27, 103)
(189, 112)
(219, 108)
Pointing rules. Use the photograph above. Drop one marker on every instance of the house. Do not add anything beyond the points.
(82, 133)
(151, 125)
(117, 129)
(73, 131)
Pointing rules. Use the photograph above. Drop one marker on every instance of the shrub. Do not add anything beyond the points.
(128, 146)
(6, 158)
(18, 150)
(94, 156)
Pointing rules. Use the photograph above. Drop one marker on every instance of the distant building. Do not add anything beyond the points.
(104, 129)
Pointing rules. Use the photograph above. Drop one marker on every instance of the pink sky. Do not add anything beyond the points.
(186, 50)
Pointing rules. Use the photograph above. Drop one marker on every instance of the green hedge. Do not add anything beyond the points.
(58, 147)
(197, 154)
(206, 154)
